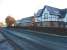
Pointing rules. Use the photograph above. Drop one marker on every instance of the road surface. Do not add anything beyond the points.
(28, 40)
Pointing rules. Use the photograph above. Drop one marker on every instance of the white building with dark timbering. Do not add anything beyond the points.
(51, 17)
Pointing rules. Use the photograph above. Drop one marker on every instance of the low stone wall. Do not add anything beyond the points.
(60, 31)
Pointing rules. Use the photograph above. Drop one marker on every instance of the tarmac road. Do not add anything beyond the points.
(35, 41)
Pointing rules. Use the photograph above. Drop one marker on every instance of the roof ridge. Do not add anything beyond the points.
(50, 7)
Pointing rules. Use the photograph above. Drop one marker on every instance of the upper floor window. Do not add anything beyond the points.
(46, 16)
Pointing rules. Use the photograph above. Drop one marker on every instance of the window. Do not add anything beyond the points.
(46, 16)
(52, 18)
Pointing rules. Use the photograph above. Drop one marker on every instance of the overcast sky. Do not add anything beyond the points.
(25, 8)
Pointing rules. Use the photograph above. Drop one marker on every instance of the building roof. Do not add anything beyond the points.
(24, 20)
(39, 13)
(62, 12)
(53, 11)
